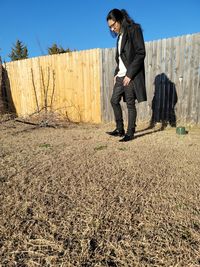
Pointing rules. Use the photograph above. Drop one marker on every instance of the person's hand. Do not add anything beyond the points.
(126, 81)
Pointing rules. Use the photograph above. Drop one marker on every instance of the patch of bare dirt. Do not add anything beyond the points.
(75, 196)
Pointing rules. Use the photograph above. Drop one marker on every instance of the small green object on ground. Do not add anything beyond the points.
(45, 145)
(180, 130)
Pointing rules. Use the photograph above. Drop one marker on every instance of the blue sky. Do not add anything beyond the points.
(82, 24)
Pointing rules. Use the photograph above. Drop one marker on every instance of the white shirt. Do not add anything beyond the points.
(122, 68)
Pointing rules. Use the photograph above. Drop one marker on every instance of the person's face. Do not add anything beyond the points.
(114, 26)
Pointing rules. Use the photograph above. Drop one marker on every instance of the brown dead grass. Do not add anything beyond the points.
(78, 197)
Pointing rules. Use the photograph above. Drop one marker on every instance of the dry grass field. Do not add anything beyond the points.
(74, 196)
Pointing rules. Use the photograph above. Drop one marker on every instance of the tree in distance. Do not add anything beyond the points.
(19, 51)
(55, 49)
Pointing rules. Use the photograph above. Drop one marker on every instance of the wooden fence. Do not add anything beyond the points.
(172, 69)
(66, 83)
(79, 84)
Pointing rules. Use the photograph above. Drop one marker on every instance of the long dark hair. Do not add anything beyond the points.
(122, 17)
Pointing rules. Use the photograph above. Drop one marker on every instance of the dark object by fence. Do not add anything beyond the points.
(1, 88)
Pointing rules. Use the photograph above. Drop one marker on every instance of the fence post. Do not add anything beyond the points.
(1, 88)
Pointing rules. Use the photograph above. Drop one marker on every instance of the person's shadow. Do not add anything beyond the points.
(163, 102)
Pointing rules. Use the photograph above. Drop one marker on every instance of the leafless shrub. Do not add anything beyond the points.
(46, 115)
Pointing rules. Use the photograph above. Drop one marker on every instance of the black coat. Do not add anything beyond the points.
(133, 54)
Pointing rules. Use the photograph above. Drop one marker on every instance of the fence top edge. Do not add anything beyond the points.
(54, 55)
(175, 37)
(92, 49)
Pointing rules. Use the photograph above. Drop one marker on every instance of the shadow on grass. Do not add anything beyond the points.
(143, 132)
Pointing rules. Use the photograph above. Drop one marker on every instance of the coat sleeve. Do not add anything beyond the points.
(139, 47)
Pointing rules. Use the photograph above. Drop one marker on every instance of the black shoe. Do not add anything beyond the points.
(117, 133)
(127, 138)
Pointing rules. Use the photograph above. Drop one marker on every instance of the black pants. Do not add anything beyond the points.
(128, 92)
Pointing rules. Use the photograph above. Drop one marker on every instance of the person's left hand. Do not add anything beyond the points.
(126, 81)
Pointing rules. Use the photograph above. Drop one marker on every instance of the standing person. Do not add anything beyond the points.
(129, 75)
